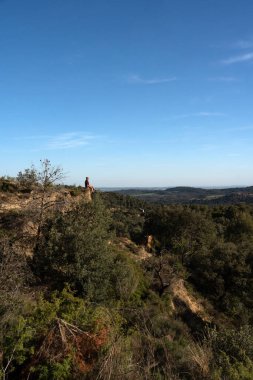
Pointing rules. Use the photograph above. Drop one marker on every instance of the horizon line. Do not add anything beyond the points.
(172, 187)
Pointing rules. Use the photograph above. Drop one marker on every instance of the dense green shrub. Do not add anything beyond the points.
(74, 249)
(233, 353)
(56, 338)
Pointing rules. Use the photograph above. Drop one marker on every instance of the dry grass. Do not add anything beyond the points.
(199, 357)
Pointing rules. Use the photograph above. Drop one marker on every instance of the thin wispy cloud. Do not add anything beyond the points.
(199, 114)
(223, 79)
(240, 129)
(248, 57)
(32, 137)
(243, 44)
(69, 141)
(136, 79)
(239, 44)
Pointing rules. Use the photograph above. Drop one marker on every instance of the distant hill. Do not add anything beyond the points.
(193, 195)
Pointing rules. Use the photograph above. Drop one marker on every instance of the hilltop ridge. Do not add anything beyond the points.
(193, 195)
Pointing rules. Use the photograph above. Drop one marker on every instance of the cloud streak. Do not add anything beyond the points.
(223, 79)
(240, 129)
(199, 114)
(136, 79)
(243, 44)
(248, 57)
(69, 141)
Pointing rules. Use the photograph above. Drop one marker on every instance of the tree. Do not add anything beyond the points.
(224, 275)
(46, 177)
(180, 229)
(73, 248)
(42, 181)
(28, 178)
(163, 268)
(232, 352)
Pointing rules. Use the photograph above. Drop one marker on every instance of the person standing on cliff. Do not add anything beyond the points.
(88, 186)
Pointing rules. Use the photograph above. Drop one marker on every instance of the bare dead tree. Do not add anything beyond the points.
(163, 270)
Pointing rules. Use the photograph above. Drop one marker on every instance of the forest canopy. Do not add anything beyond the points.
(118, 288)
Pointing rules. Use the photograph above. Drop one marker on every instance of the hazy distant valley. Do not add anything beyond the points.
(193, 195)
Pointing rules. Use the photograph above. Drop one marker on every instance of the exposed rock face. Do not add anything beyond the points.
(20, 211)
(87, 195)
(12, 202)
(181, 296)
(149, 243)
(137, 252)
(60, 198)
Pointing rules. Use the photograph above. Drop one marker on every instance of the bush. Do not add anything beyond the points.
(233, 353)
(74, 249)
(28, 177)
(57, 338)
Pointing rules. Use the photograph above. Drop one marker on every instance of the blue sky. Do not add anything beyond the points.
(131, 93)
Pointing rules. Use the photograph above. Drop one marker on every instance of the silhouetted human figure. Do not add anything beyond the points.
(88, 186)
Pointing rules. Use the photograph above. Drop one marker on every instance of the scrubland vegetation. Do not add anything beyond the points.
(83, 296)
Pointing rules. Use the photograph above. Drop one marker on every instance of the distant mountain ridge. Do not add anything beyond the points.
(193, 195)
